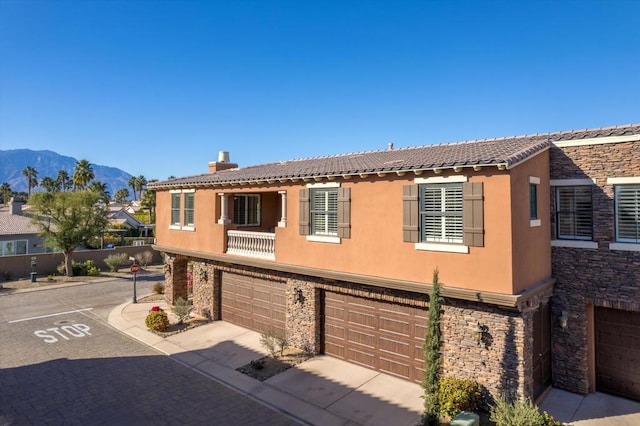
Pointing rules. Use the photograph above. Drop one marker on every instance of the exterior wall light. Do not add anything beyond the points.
(480, 333)
(562, 320)
(299, 297)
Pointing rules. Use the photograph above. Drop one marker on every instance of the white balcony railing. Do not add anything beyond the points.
(252, 244)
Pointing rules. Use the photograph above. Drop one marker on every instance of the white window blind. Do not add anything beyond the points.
(628, 213)
(324, 211)
(441, 213)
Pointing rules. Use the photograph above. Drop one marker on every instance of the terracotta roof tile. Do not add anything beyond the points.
(508, 151)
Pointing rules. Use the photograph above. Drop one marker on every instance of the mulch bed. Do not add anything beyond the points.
(268, 366)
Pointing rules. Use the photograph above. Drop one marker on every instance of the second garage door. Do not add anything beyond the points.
(618, 352)
(254, 303)
(379, 335)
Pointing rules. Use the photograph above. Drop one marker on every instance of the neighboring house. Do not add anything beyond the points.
(133, 207)
(339, 253)
(17, 234)
(119, 215)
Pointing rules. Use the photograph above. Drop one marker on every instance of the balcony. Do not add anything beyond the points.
(261, 245)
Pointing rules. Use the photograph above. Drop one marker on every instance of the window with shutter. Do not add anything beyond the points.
(574, 214)
(440, 213)
(324, 211)
(627, 199)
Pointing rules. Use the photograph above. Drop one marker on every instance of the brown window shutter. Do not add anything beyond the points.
(305, 229)
(473, 211)
(410, 230)
(344, 212)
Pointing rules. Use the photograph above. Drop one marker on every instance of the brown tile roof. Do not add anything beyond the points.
(14, 224)
(508, 151)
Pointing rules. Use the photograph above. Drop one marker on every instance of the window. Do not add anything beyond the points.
(246, 209)
(324, 211)
(533, 201)
(627, 199)
(8, 248)
(441, 213)
(175, 208)
(189, 205)
(574, 216)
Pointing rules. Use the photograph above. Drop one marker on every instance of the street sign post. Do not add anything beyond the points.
(134, 269)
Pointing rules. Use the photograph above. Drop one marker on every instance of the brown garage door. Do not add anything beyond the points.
(254, 303)
(378, 335)
(618, 352)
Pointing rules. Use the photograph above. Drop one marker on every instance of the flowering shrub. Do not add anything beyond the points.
(157, 319)
(457, 395)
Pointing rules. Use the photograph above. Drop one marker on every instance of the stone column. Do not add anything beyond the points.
(175, 278)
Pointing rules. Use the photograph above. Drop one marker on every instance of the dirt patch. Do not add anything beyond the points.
(268, 366)
(155, 297)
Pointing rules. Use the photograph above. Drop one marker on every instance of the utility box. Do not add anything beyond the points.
(466, 419)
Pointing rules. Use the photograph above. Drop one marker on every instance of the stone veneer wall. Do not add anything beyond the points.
(598, 277)
(175, 278)
(504, 366)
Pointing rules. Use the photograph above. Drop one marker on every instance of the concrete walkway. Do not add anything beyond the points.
(320, 391)
(596, 409)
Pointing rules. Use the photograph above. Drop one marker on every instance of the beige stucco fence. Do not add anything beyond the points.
(19, 266)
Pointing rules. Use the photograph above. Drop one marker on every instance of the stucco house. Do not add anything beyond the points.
(18, 235)
(339, 252)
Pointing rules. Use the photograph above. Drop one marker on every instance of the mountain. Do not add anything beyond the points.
(49, 163)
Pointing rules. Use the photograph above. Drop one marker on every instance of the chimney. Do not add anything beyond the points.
(222, 163)
(15, 207)
(390, 146)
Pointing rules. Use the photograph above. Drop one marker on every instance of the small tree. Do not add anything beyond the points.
(67, 219)
(432, 357)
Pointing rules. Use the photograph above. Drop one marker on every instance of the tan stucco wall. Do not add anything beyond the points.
(376, 247)
(531, 245)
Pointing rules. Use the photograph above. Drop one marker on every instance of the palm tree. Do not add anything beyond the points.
(101, 189)
(141, 182)
(49, 184)
(63, 180)
(148, 201)
(82, 174)
(32, 178)
(133, 183)
(7, 193)
(121, 195)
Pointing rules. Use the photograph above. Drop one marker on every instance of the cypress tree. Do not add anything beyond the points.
(432, 357)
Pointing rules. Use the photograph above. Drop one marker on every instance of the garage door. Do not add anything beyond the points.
(618, 352)
(254, 303)
(378, 335)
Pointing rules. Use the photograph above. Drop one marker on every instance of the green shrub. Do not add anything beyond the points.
(144, 258)
(88, 268)
(182, 309)
(157, 319)
(91, 268)
(158, 288)
(456, 395)
(520, 413)
(116, 260)
(274, 342)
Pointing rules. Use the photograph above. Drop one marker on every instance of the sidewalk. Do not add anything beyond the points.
(320, 391)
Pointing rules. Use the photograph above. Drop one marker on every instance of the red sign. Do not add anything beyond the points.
(135, 268)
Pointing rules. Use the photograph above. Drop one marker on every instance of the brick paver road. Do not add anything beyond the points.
(75, 369)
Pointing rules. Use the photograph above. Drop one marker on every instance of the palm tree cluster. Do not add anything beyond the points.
(82, 179)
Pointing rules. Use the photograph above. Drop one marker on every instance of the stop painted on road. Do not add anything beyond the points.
(64, 332)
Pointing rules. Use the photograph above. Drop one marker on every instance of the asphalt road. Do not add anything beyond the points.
(62, 363)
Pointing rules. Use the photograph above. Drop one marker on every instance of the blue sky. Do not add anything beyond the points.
(159, 87)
